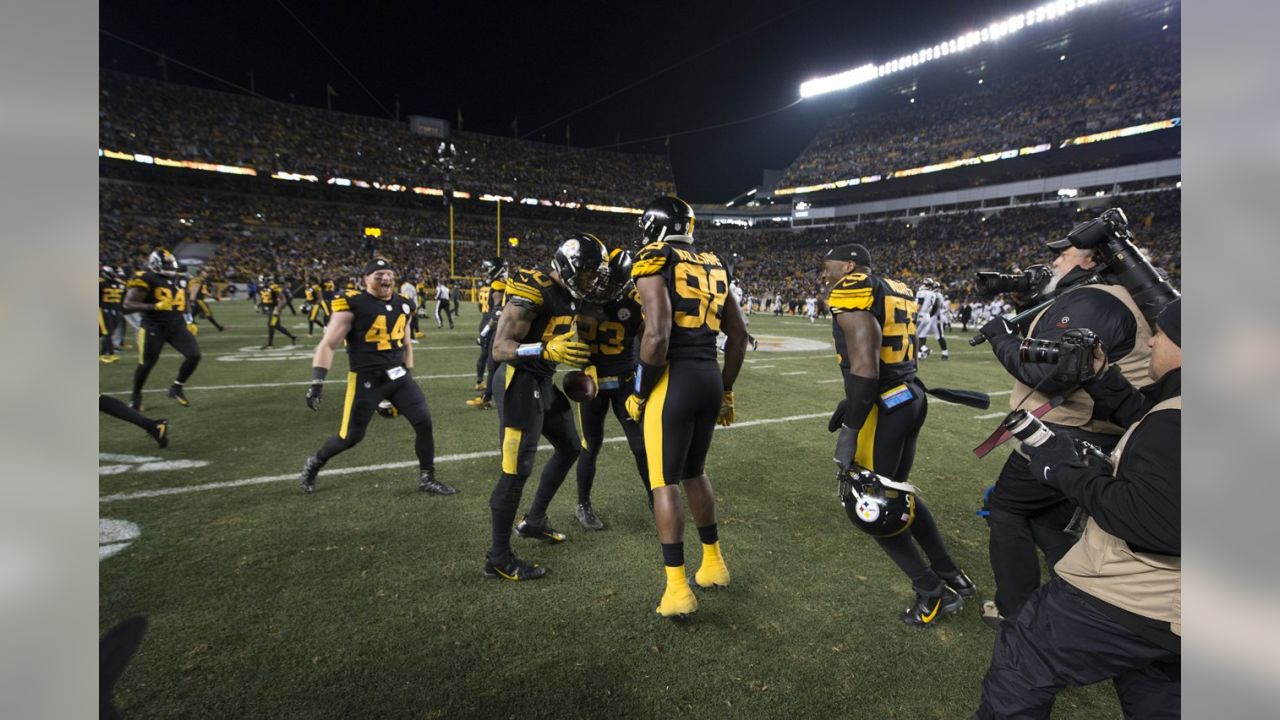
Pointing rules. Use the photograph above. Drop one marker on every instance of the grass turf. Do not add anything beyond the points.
(366, 598)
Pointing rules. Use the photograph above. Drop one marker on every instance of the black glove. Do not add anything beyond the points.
(314, 392)
(846, 447)
(996, 327)
(1059, 450)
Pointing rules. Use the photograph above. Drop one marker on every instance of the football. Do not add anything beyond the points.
(579, 386)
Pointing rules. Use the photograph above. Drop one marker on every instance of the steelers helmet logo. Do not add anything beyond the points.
(624, 314)
(571, 247)
(404, 308)
(389, 308)
(867, 510)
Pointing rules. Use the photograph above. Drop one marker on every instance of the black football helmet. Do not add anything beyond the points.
(494, 269)
(582, 262)
(878, 506)
(664, 217)
(162, 262)
(108, 273)
(619, 278)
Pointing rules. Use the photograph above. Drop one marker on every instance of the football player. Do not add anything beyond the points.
(885, 406)
(272, 299)
(609, 323)
(490, 300)
(410, 290)
(110, 318)
(317, 305)
(444, 303)
(931, 304)
(158, 294)
(535, 333)
(680, 392)
(157, 429)
(198, 294)
(380, 352)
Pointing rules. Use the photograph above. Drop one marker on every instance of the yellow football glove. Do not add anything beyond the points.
(193, 328)
(635, 407)
(163, 305)
(564, 349)
(726, 410)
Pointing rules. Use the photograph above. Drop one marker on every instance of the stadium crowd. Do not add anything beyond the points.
(140, 115)
(1126, 85)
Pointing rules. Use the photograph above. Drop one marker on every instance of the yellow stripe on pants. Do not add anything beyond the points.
(865, 455)
(653, 430)
(346, 405)
(511, 438)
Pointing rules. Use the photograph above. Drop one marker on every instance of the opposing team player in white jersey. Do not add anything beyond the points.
(811, 309)
(932, 304)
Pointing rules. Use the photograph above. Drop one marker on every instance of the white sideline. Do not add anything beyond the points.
(389, 466)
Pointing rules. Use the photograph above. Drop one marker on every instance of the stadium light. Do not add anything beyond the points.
(992, 32)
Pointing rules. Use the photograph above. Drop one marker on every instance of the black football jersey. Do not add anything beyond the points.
(330, 289)
(610, 330)
(376, 338)
(894, 307)
(110, 294)
(554, 310)
(698, 285)
(270, 295)
(161, 288)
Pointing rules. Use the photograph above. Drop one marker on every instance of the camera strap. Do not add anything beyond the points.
(1000, 436)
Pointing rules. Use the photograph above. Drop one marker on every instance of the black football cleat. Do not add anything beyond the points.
(175, 392)
(135, 401)
(427, 483)
(160, 433)
(310, 468)
(513, 569)
(927, 610)
(545, 532)
(962, 584)
(587, 517)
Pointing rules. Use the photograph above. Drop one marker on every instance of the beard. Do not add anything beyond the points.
(1053, 282)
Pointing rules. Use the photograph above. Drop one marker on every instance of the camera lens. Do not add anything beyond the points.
(1027, 428)
(1039, 351)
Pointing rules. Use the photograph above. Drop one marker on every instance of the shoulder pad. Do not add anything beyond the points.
(651, 259)
(855, 291)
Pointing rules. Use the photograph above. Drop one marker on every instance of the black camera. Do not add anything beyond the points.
(1029, 283)
(1073, 354)
(1109, 235)
(1029, 429)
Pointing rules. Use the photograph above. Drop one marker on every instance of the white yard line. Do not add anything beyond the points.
(798, 372)
(389, 466)
(279, 384)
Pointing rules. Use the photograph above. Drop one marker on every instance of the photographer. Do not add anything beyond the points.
(1025, 514)
(1115, 609)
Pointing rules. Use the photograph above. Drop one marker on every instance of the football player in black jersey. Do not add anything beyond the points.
(534, 334)
(316, 304)
(272, 299)
(609, 323)
(110, 297)
(885, 406)
(161, 297)
(490, 301)
(680, 390)
(198, 294)
(374, 323)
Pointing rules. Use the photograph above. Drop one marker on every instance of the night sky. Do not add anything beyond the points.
(540, 61)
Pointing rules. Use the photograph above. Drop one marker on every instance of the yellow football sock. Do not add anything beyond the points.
(713, 571)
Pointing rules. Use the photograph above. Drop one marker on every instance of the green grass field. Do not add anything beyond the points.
(366, 598)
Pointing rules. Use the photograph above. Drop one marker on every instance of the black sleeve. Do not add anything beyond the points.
(1085, 307)
(1117, 400)
(1142, 504)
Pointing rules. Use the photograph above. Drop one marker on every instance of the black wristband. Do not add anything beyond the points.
(860, 396)
(647, 377)
(318, 374)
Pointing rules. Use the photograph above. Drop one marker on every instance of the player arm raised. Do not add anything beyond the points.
(334, 333)
(862, 347)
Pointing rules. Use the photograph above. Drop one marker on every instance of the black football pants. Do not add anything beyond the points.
(365, 390)
(1061, 639)
(109, 320)
(152, 340)
(591, 416)
(887, 446)
(528, 408)
(273, 324)
(118, 409)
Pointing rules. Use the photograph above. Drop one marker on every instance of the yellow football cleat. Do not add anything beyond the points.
(713, 572)
(481, 403)
(678, 600)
